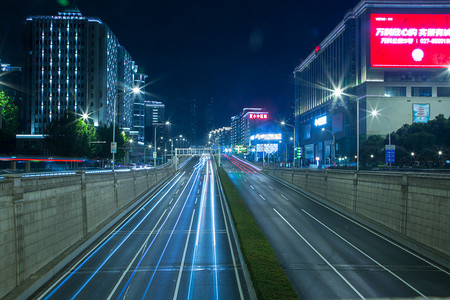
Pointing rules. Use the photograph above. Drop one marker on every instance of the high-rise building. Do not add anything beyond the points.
(387, 58)
(194, 126)
(74, 64)
(154, 115)
(139, 107)
(249, 122)
(220, 137)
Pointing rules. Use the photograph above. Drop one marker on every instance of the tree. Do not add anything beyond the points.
(71, 137)
(9, 123)
(373, 146)
(106, 134)
(430, 143)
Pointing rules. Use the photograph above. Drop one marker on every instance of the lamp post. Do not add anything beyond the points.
(149, 147)
(155, 153)
(334, 143)
(165, 147)
(375, 113)
(285, 153)
(293, 126)
(337, 93)
(135, 90)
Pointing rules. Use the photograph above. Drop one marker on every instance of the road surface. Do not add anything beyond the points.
(327, 255)
(178, 245)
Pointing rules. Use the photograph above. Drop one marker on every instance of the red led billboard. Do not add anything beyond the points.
(410, 40)
(258, 116)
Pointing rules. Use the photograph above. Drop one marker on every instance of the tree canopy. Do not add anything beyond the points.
(419, 144)
(9, 123)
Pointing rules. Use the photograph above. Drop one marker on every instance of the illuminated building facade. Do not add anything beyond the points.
(139, 106)
(154, 115)
(249, 122)
(391, 57)
(220, 137)
(74, 64)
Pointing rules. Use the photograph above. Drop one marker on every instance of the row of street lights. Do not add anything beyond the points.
(339, 93)
(135, 90)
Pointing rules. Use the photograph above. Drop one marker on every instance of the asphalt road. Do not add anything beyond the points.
(327, 255)
(178, 245)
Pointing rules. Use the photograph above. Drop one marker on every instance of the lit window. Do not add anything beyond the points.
(421, 91)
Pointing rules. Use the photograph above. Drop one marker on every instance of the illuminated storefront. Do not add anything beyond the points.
(392, 57)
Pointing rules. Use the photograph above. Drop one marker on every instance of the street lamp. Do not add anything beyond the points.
(285, 153)
(155, 153)
(293, 126)
(338, 93)
(375, 113)
(149, 147)
(334, 143)
(134, 90)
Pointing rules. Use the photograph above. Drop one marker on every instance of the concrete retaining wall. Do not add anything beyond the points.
(413, 207)
(41, 217)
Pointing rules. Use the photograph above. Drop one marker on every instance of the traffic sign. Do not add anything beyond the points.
(113, 147)
(154, 154)
(390, 154)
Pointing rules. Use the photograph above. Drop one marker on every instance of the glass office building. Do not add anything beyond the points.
(390, 56)
(75, 63)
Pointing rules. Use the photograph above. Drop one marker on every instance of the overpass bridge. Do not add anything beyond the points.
(184, 152)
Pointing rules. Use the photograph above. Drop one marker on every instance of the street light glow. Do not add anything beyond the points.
(337, 92)
(136, 90)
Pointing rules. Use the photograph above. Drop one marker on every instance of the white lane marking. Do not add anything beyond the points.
(245, 180)
(261, 180)
(171, 201)
(144, 245)
(177, 288)
(252, 186)
(284, 197)
(109, 236)
(320, 255)
(262, 197)
(373, 232)
(177, 191)
(365, 254)
(270, 187)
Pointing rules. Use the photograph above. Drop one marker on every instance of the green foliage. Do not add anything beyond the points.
(106, 134)
(71, 137)
(10, 123)
(425, 140)
(269, 279)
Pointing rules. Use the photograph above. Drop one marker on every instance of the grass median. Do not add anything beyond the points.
(269, 279)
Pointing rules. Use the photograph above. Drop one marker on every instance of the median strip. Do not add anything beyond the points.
(269, 279)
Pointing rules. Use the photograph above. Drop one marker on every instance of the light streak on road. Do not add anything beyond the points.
(193, 177)
(180, 272)
(213, 203)
(73, 271)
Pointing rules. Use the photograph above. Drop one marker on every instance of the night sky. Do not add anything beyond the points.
(241, 53)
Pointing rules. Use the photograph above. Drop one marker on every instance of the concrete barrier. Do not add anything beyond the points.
(411, 207)
(43, 216)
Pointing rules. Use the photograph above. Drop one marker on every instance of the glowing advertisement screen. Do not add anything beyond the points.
(410, 40)
(421, 113)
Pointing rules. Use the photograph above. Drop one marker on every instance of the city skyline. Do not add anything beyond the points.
(242, 55)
